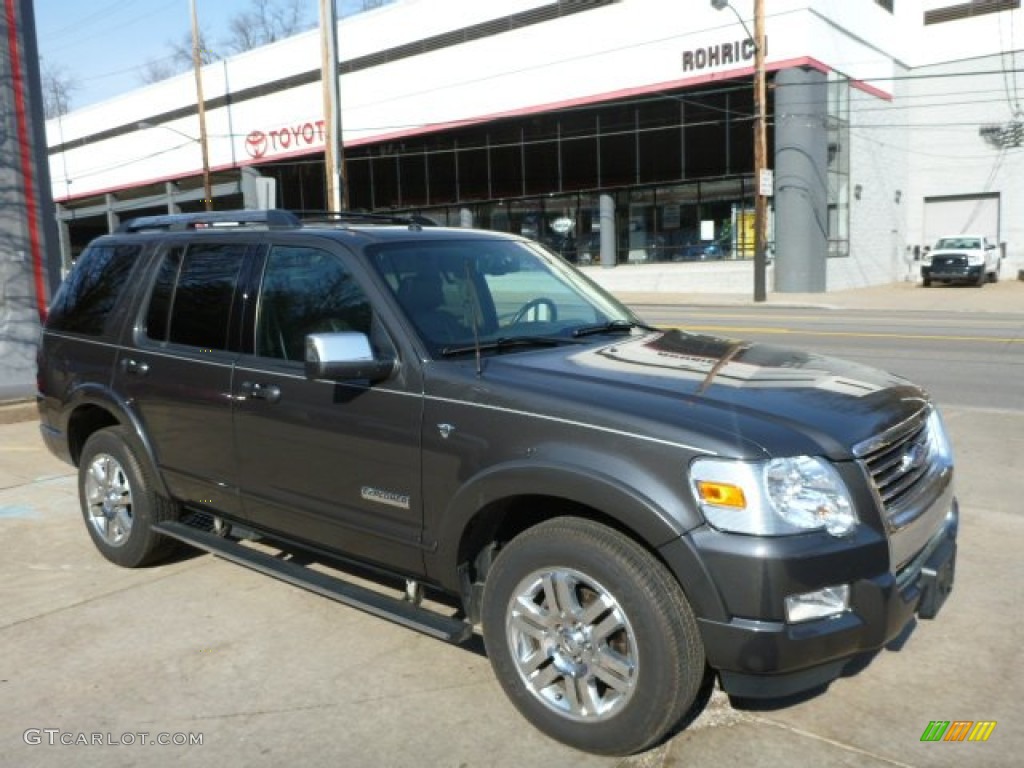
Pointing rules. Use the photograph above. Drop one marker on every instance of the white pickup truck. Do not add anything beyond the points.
(970, 259)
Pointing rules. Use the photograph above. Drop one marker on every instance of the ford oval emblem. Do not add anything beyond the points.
(914, 458)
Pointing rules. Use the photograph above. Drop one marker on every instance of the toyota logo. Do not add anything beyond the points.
(256, 144)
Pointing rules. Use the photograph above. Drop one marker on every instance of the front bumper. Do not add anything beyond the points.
(953, 274)
(765, 658)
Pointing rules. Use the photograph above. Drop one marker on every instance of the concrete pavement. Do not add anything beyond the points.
(266, 674)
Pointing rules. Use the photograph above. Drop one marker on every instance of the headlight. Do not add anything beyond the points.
(938, 439)
(975, 259)
(773, 498)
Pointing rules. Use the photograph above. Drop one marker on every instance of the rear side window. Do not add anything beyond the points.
(194, 295)
(87, 297)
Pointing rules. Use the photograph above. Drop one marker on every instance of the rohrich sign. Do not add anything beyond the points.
(287, 138)
(722, 54)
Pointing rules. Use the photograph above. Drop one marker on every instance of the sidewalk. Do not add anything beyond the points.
(690, 284)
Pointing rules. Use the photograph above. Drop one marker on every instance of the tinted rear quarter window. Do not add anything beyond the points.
(87, 298)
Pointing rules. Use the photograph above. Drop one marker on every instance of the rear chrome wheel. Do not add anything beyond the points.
(108, 500)
(120, 503)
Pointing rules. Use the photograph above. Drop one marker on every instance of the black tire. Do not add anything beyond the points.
(624, 632)
(926, 282)
(982, 279)
(116, 490)
(993, 277)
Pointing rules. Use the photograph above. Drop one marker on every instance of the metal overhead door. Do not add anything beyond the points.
(959, 214)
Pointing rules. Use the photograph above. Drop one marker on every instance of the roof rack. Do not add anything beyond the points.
(355, 217)
(272, 217)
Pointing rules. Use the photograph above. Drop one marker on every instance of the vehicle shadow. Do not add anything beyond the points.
(852, 668)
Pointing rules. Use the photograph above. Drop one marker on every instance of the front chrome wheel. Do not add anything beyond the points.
(591, 636)
(108, 495)
(572, 644)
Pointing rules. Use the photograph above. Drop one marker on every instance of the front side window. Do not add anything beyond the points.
(306, 290)
(498, 293)
(89, 294)
(193, 296)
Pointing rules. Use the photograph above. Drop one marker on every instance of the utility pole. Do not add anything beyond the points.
(334, 158)
(762, 175)
(763, 179)
(197, 65)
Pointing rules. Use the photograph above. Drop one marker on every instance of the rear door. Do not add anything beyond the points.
(336, 465)
(177, 372)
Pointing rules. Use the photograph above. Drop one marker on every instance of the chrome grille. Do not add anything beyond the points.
(898, 462)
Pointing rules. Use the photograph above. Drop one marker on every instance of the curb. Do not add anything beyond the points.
(14, 411)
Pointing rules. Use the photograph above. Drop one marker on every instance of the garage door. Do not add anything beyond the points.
(959, 214)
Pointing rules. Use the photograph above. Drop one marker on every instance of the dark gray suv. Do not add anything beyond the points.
(627, 513)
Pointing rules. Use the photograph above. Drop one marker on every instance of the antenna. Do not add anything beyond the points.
(473, 313)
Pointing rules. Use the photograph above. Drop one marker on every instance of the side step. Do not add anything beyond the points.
(400, 611)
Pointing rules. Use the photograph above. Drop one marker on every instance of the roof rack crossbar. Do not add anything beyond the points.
(365, 216)
(273, 217)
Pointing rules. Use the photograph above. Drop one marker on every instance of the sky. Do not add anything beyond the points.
(104, 44)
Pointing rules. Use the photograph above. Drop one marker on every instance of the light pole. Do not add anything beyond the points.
(334, 157)
(201, 108)
(762, 175)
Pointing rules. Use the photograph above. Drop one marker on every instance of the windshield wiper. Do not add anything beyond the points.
(612, 326)
(506, 342)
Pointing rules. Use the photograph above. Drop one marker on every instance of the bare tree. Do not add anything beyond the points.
(178, 60)
(58, 87)
(155, 70)
(265, 22)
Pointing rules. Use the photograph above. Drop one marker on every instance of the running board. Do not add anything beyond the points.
(400, 611)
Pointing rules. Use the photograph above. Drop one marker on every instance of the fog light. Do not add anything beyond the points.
(820, 604)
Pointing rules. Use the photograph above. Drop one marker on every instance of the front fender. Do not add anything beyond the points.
(655, 515)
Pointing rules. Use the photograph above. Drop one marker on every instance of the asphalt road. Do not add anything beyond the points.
(971, 359)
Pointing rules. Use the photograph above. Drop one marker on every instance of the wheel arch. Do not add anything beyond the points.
(503, 502)
(93, 408)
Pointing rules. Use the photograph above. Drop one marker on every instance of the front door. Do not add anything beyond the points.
(336, 465)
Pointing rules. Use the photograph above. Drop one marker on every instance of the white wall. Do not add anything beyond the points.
(879, 164)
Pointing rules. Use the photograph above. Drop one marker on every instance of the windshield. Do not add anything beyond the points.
(459, 292)
(957, 242)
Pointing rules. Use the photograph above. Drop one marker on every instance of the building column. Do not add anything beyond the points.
(801, 181)
(113, 219)
(171, 192)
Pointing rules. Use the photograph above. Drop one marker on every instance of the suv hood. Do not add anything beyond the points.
(757, 397)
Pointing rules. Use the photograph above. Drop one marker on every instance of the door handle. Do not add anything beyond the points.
(134, 366)
(269, 392)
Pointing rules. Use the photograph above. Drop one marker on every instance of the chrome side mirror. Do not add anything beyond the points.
(345, 356)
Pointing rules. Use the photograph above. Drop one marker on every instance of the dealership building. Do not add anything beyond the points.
(890, 123)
